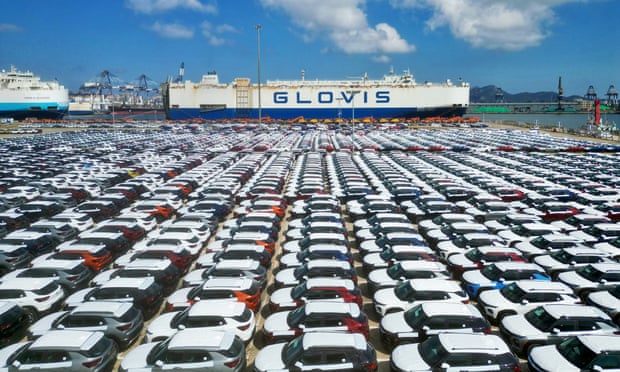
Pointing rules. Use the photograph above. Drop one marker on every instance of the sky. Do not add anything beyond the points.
(518, 45)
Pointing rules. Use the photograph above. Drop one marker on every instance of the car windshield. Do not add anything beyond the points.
(474, 255)
(396, 271)
(292, 351)
(590, 273)
(491, 272)
(512, 292)
(387, 253)
(540, 319)
(296, 316)
(404, 291)
(540, 242)
(298, 290)
(562, 256)
(157, 352)
(432, 351)
(576, 352)
(415, 316)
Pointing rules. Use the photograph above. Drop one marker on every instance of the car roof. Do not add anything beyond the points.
(138, 283)
(227, 283)
(27, 284)
(435, 284)
(462, 342)
(543, 286)
(334, 339)
(67, 339)
(216, 307)
(574, 310)
(108, 308)
(517, 265)
(330, 282)
(450, 308)
(149, 264)
(192, 338)
(56, 264)
(320, 263)
(412, 265)
(332, 307)
(241, 264)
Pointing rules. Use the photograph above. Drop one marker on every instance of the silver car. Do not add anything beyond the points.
(61, 351)
(552, 324)
(120, 321)
(189, 350)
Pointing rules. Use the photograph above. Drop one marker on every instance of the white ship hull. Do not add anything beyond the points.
(392, 97)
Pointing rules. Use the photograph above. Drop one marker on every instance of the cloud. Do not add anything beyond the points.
(491, 24)
(7, 27)
(381, 59)
(344, 23)
(213, 33)
(158, 6)
(172, 30)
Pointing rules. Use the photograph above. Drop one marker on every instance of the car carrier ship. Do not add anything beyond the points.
(394, 96)
(24, 95)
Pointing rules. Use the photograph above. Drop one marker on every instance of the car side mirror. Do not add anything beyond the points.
(603, 281)
(501, 280)
(196, 299)
(181, 327)
(159, 363)
(555, 331)
(426, 328)
(302, 326)
(444, 365)
(16, 364)
(61, 326)
(597, 368)
(572, 263)
(524, 302)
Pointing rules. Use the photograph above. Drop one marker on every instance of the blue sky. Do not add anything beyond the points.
(519, 45)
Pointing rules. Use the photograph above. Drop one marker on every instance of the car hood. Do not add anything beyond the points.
(290, 260)
(395, 323)
(276, 322)
(386, 296)
(194, 277)
(546, 261)
(292, 246)
(605, 299)
(408, 358)
(519, 326)
(281, 295)
(380, 276)
(572, 279)
(549, 359)
(286, 276)
(102, 277)
(179, 296)
(162, 323)
(77, 297)
(270, 358)
(137, 357)
(476, 277)
(45, 324)
(374, 259)
(6, 352)
(436, 234)
(459, 259)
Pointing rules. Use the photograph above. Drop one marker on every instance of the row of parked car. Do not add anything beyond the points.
(144, 238)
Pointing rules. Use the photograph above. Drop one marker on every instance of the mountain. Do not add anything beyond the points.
(487, 94)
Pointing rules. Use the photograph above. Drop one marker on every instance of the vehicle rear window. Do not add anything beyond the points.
(98, 349)
(47, 289)
(244, 316)
(234, 349)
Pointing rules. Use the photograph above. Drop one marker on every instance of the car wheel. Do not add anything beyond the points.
(31, 314)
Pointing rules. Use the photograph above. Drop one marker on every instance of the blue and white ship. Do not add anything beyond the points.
(24, 95)
(394, 96)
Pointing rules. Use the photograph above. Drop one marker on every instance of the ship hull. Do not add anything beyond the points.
(392, 97)
(314, 113)
(23, 95)
(38, 110)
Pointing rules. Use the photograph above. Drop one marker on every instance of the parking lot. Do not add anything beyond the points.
(346, 231)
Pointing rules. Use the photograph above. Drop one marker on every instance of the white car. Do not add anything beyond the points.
(217, 315)
(37, 296)
(404, 270)
(415, 291)
(593, 277)
(567, 259)
(522, 296)
(80, 221)
(595, 353)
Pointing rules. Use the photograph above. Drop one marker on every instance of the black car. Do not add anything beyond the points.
(71, 275)
(13, 322)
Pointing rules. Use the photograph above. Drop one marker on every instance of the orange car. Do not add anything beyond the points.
(240, 289)
(95, 257)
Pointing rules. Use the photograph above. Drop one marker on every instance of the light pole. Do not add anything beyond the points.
(353, 93)
(260, 114)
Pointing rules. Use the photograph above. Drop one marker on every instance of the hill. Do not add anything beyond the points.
(487, 95)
